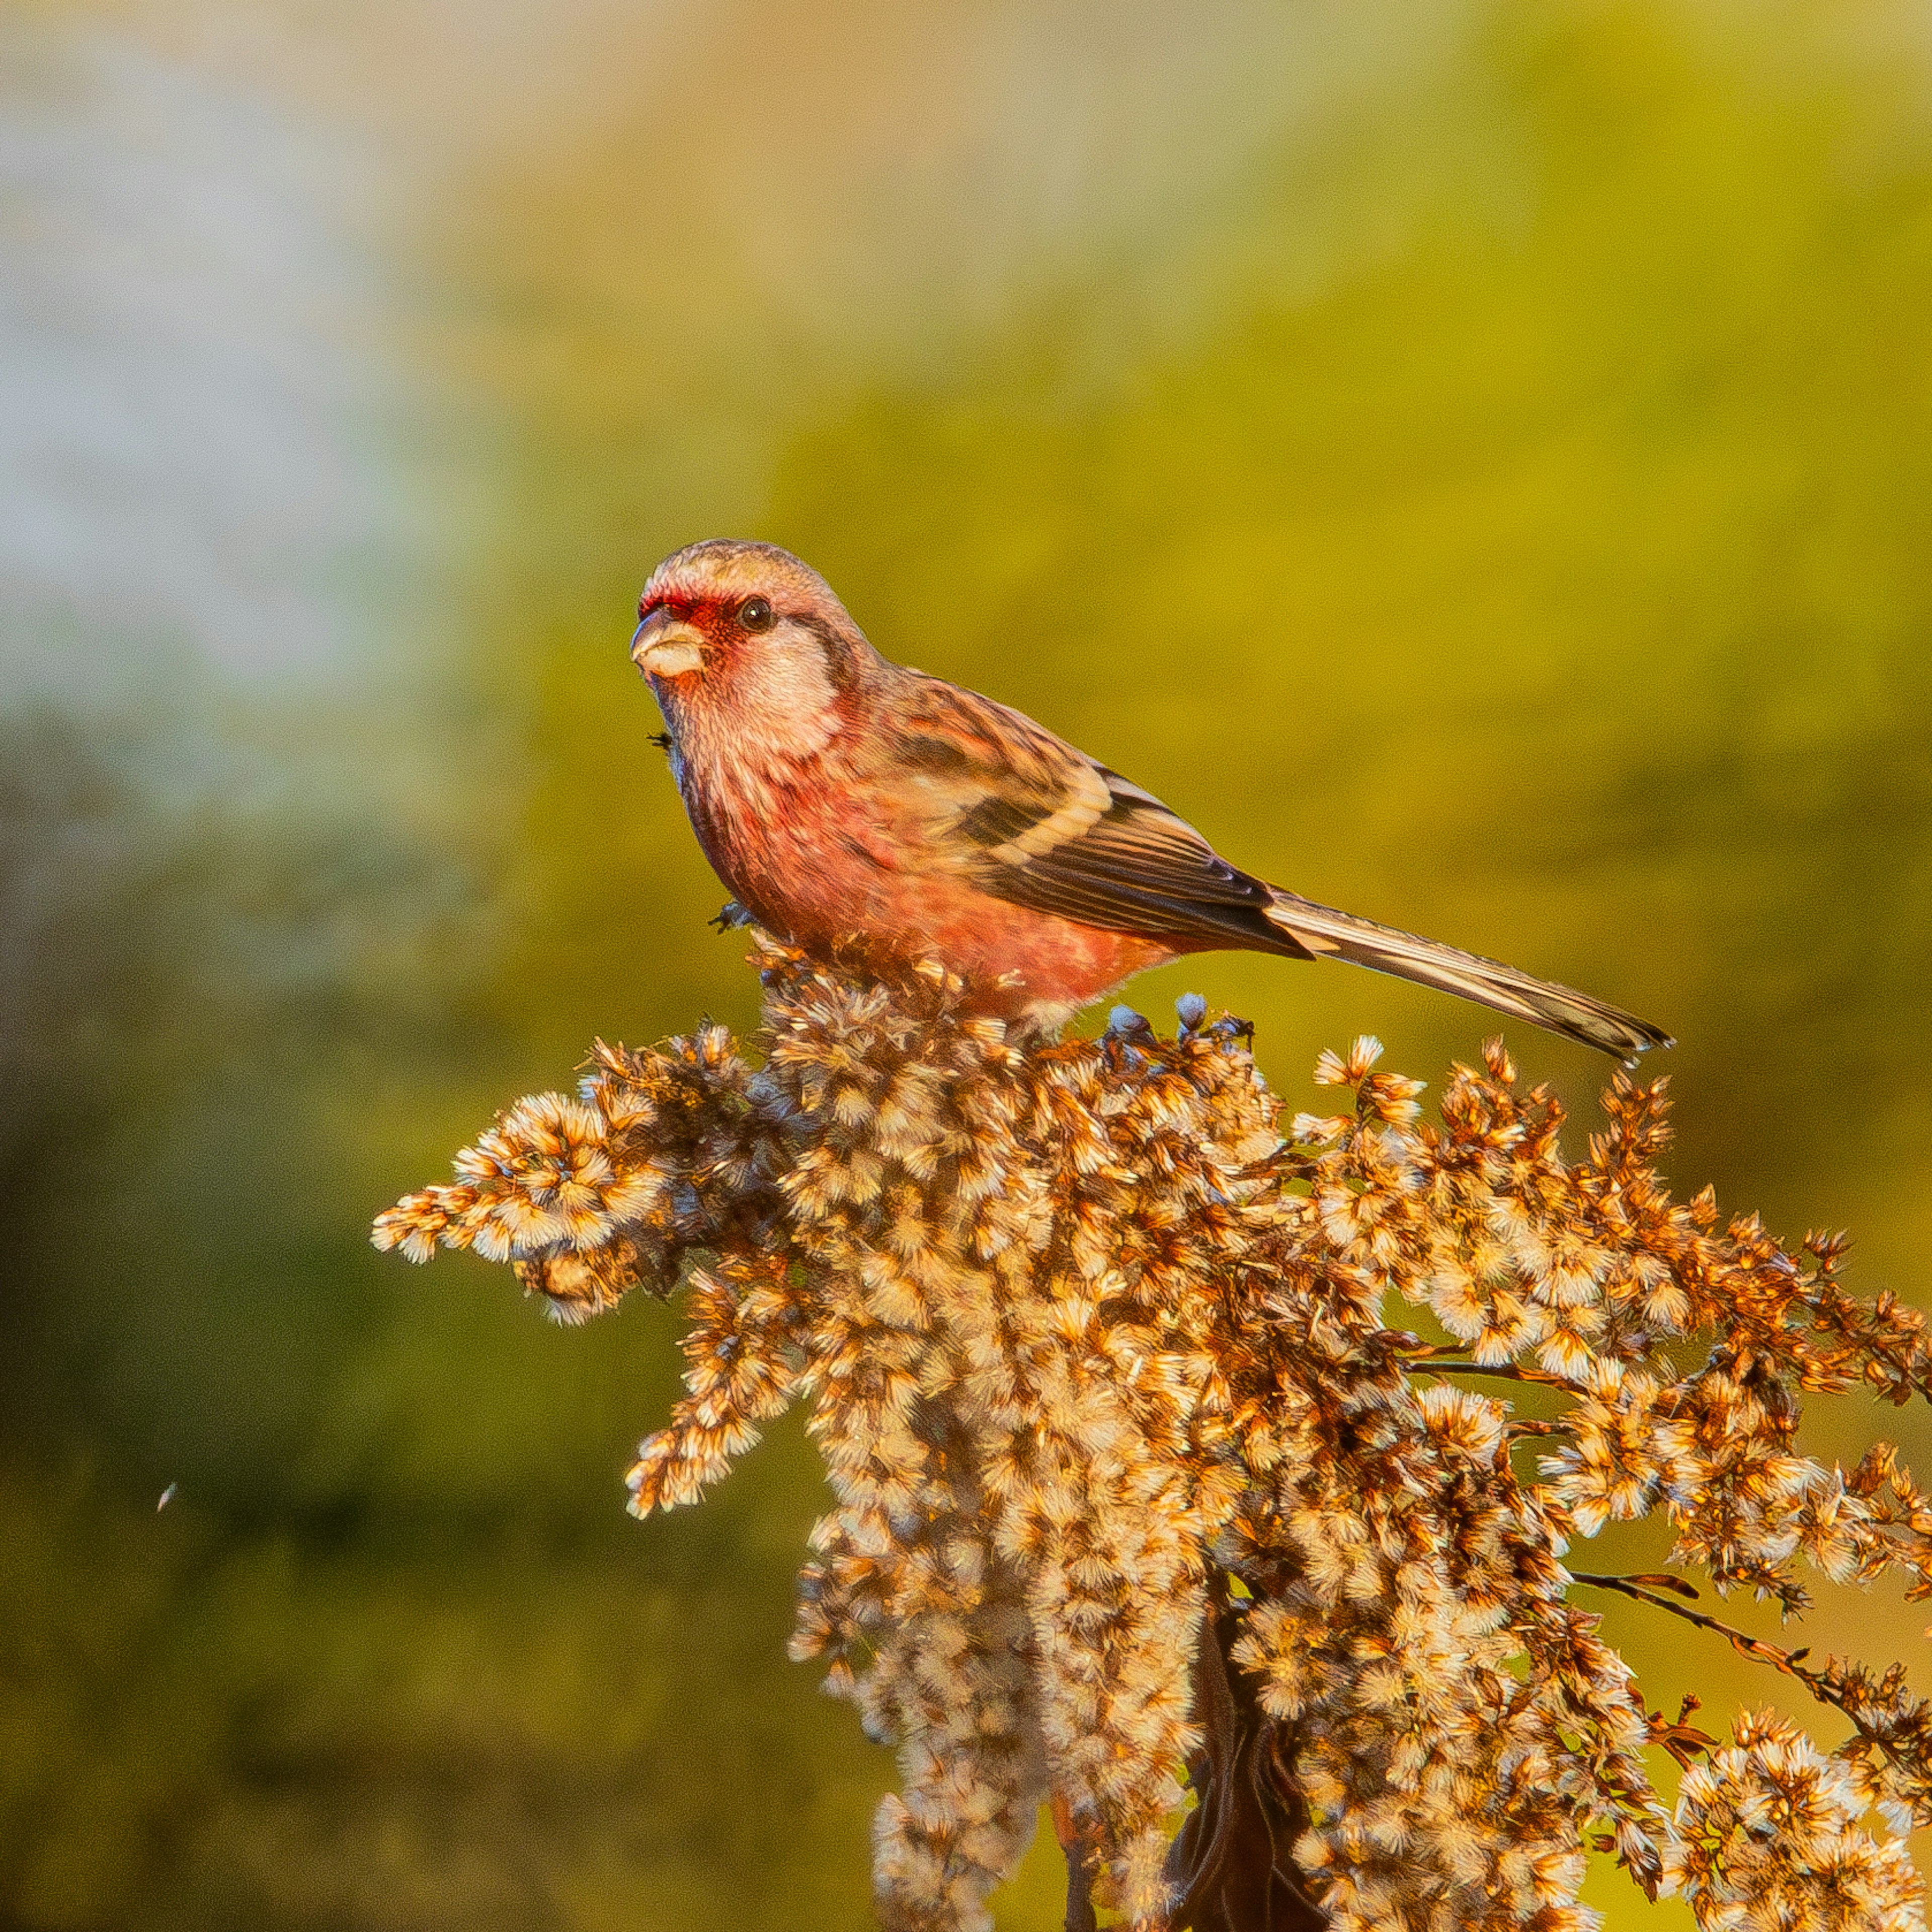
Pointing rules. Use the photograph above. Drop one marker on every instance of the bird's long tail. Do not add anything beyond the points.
(1340, 935)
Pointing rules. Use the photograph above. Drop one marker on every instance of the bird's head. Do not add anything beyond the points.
(745, 629)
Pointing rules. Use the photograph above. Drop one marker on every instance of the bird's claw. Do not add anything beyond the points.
(731, 915)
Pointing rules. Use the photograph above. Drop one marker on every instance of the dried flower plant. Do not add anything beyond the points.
(1138, 1489)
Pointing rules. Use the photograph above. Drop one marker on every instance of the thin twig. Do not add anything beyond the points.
(1790, 1662)
(1777, 1657)
(1508, 1371)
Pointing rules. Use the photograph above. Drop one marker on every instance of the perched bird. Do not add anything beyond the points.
(842, 798)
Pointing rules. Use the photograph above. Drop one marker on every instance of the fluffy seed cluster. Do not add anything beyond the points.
(1740, 1817)
(1150, 1508)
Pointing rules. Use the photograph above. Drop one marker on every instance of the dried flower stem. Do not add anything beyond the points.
(1507, 1372)
(1742, 1641)
(1137, 1472)
(1790, 1662)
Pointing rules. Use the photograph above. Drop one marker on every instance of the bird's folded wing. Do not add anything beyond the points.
(1036, 823)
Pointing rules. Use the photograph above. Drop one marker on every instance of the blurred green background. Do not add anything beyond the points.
(1475, 459)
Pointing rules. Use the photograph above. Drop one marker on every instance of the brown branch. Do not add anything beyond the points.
(1508, 1371)
(1232, 1866)
(1079, 1849)
(1791, 1662)
(1742, 1641)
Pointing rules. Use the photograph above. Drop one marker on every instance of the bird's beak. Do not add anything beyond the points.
(667, 647)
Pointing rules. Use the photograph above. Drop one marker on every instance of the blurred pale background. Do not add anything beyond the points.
(1475, 459)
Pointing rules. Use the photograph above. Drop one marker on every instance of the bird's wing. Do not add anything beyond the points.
(1033, 821)
(984, 790)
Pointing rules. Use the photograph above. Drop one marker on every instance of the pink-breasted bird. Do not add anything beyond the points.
(842, 798)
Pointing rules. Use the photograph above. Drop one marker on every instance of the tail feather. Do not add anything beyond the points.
(1489, 982)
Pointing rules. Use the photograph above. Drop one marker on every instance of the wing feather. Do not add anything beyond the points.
(986, 792)
(1040, 824)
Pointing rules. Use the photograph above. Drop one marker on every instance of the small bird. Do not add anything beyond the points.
(844, 798)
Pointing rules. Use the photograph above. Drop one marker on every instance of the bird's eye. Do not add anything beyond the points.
(754, 614)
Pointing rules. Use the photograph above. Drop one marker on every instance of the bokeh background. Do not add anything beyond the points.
(1474, 456)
